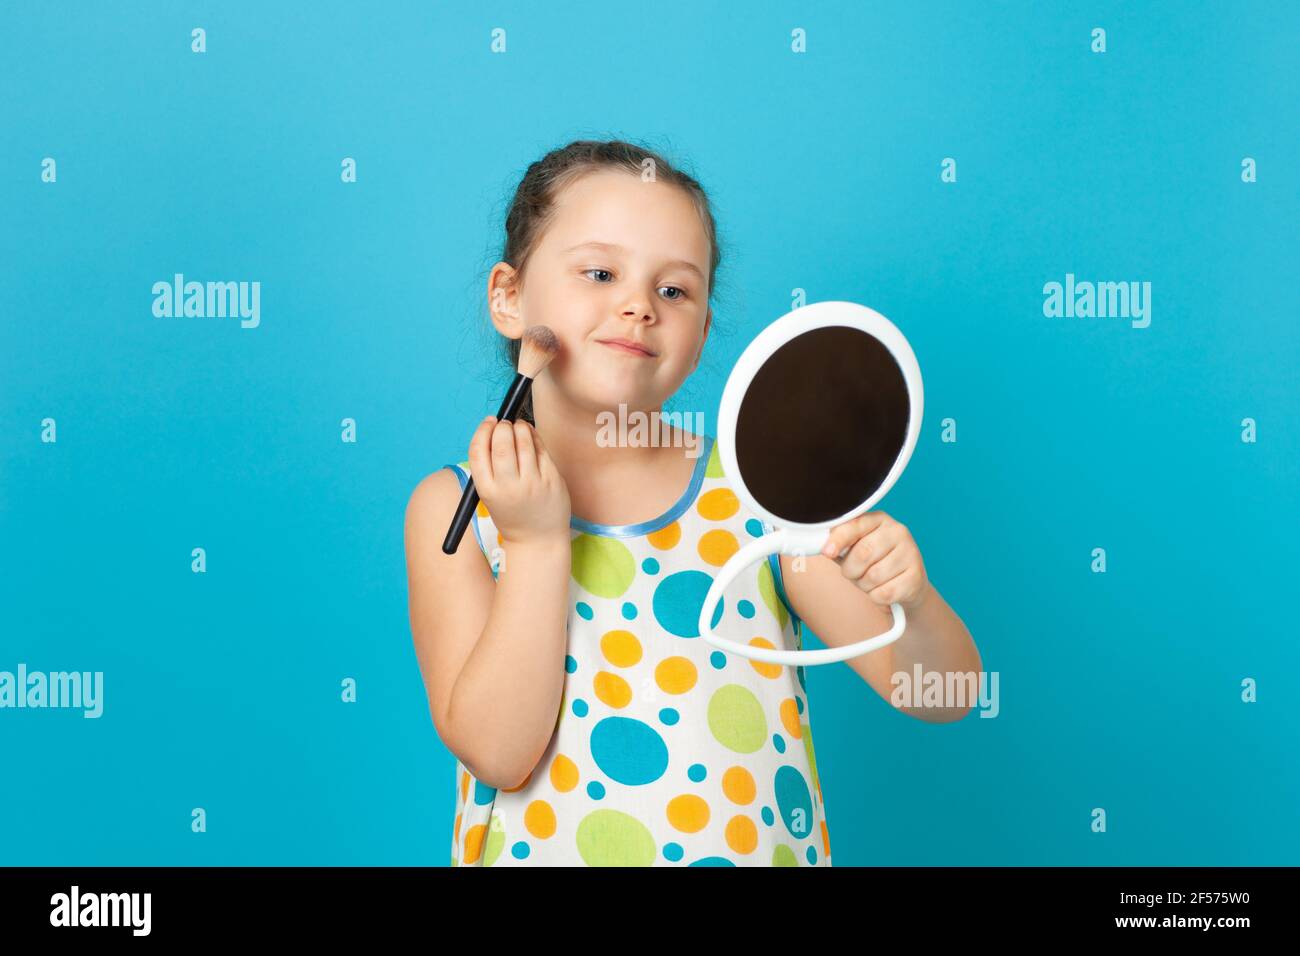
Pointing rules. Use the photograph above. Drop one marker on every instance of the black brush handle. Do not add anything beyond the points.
(508, 411)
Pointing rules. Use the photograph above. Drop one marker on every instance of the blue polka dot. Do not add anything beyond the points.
(802, 683)
(596, 790)
(678, 600)
(629, 751)
(672, 851)
(697, 772)
(812, 855)
(580, 708)
(519, 851)
(718, 660)
(754, 527)
(668, 716)
(779, 743)
(713, 861)
(483, 794)
(768, 816)
(745, 608)
(650, 566)
(794, 801)
(629, 610)
(570, 665)
(584, 609)
(798, 703)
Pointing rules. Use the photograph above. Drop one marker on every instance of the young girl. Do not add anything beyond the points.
(559, 645)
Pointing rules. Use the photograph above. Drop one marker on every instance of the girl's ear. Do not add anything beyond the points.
(503, 300)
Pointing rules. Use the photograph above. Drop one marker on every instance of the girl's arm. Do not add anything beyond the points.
(839, 612)
(491, 653)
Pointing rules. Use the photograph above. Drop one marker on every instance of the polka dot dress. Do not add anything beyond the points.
(667, 751)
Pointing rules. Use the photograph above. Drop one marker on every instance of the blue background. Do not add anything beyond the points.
(1118, 690)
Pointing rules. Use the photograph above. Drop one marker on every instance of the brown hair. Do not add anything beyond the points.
(532, 208)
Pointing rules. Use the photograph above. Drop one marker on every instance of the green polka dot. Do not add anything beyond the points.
(767, 590)
(736, 719)
(714, 467)
(496, 840)
(808, 749)
(784, 856)
(604, 566)
(613, 838)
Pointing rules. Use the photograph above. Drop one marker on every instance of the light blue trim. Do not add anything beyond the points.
(775, 561)
(473, 520)
(667, 518)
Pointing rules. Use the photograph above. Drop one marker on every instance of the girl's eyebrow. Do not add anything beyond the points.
(614, 247)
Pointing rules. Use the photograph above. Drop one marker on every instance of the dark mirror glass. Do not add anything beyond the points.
(821, 424)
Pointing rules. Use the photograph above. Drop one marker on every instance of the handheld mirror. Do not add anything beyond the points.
(817, 421)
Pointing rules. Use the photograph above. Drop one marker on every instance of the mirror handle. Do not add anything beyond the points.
(785, 541)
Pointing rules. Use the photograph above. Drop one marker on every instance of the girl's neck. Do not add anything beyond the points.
(610, 483)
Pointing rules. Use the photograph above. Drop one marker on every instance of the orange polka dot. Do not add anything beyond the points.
(482, 509)
(738, 785)
(826, 839)
(621, 648)
(688, 813)
(676, 675)
(742, 835)
(464, 785)
(564, 773)
(770, 671)
(666, 537)
(456, 831)
(717, 546)
(718, 504)
(790, 718)
(474, 843)
(612, 689)
(539, 819)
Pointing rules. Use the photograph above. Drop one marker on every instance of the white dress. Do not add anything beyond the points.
(666, 751)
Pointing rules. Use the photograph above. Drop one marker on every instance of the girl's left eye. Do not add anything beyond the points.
(676, 297)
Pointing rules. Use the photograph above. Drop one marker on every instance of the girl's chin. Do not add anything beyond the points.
(611, 383)
(609, 399)
(603, 387)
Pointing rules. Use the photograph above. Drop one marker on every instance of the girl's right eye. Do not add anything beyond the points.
(589, 271)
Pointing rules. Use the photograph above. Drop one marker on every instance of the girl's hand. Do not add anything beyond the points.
(519, 483)
(881, 558)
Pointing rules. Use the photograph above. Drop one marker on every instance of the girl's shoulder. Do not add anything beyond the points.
(460, 469)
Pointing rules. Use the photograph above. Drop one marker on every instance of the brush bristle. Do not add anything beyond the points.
(537, 349)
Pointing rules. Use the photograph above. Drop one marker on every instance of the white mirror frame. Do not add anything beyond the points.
(792, 537)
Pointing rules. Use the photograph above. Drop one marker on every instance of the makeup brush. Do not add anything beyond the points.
(535, 353)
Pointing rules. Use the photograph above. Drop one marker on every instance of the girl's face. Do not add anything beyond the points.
(621, 259)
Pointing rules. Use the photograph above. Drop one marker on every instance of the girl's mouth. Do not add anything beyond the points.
(626, 348)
